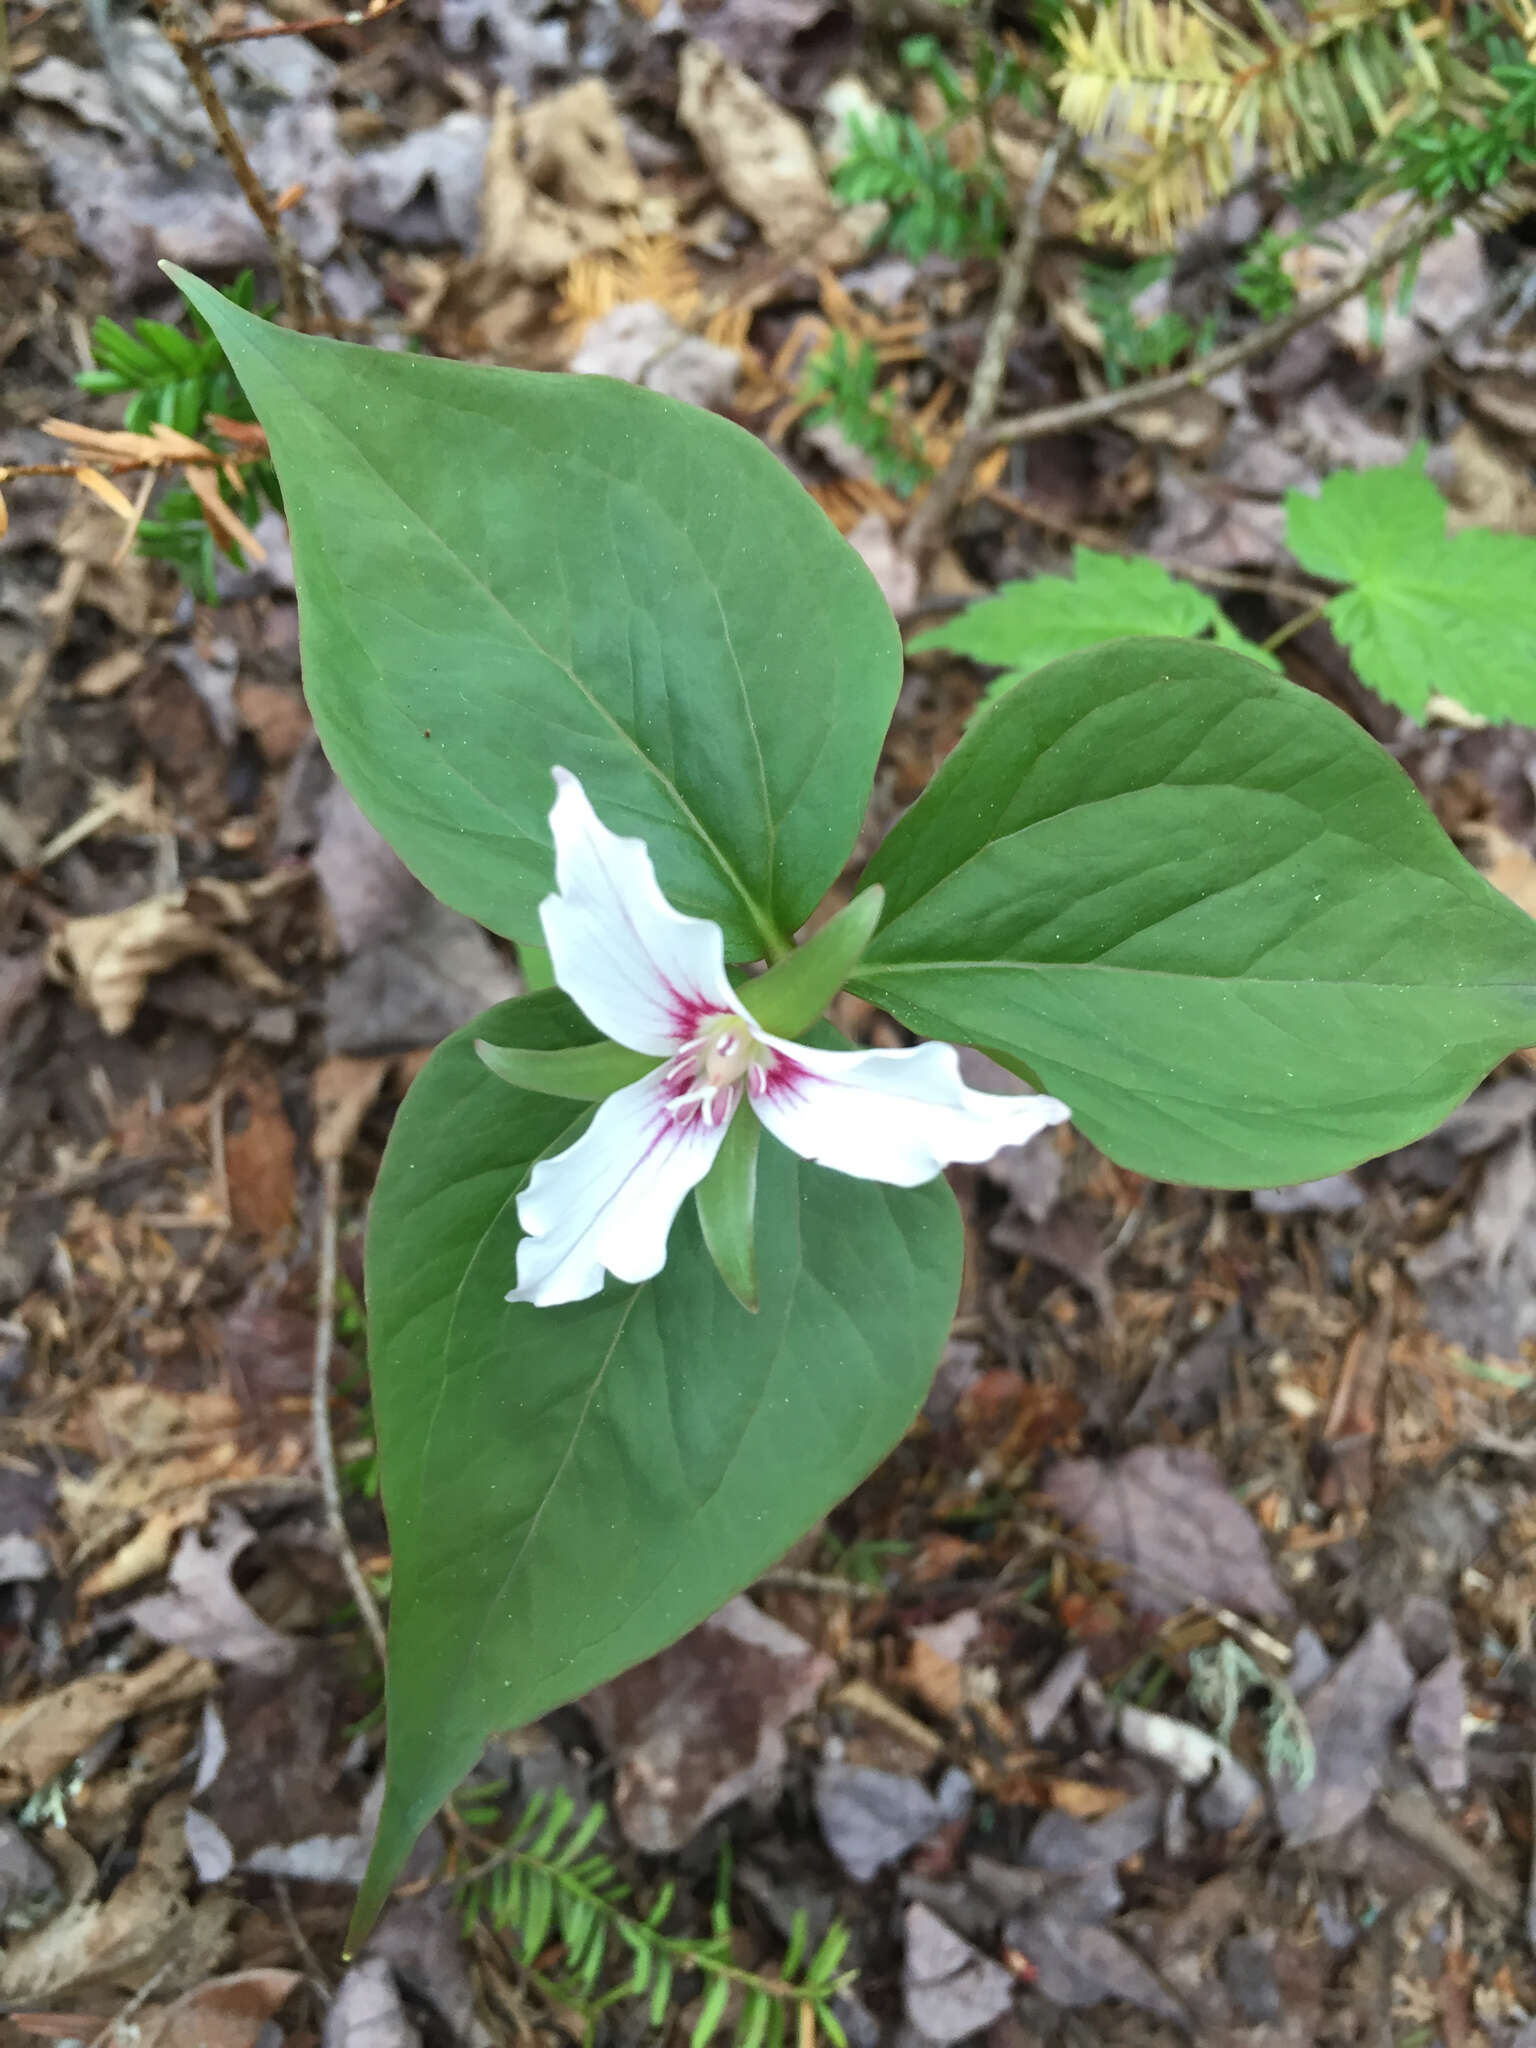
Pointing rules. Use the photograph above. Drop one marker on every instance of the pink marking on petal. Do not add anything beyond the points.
(782, 1078)
(689, 1012)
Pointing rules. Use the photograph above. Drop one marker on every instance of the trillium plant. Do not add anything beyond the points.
(658, 1267)
(654, 982)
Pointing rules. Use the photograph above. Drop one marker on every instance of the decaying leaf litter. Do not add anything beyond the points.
(1174, 1678)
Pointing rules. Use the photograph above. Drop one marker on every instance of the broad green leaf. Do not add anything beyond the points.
(569, 1489)
(1109, 597)
(1204, 908)
(1431, 611)
(501, 571)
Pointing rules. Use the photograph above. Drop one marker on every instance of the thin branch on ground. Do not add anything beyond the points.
(305, 305)
(1404, 241)
(320, 1406)
(357, 17)
(319, 1981)
(926, 528)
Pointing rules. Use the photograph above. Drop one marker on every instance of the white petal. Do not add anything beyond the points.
(606, 1204)
(639, 970)
(891, 1116)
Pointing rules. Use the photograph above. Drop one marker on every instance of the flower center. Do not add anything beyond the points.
(707, 1074)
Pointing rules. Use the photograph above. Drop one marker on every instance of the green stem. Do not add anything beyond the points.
(1309, 617)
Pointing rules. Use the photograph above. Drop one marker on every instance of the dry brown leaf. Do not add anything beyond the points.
(106, 677)
(762, 158)
(110, 957)
(227, 2012)
(202, 1611)
(135, 1417)
(1507, 398)
(1192, 422)
(702, 1725)
(1083, 1800)
(1166, 1514)
(344, 1090)
(105, 441)
(559, 184)
(163, 1458)
(938, 1681)
(146, 1552)
(42, 1736)
(226, 523)
(137, 594)
(145, 1921)
(103, 487)
(1492, 488)
(259, 1157)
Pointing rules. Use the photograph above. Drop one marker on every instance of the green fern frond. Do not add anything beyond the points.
(548, 1887)
(842, 383)
(934, 204)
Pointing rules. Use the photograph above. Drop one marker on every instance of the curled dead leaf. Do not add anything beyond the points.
(226, 2012)
(146, 1920)
(41, 1736)
(559, 184)
(110, 958)
(763, 159)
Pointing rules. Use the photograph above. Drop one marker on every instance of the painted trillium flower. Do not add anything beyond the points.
(654, 980)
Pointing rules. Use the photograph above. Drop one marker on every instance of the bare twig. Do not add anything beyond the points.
(927, 526)
(1407, 237)
(320, 1983)
(357, 17)
(170, 460)
(304, 302)
(320, 1406)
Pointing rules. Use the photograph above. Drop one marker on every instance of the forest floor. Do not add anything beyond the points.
(1256, 1467)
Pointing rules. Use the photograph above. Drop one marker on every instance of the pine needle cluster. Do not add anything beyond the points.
(586, 1946)
(1179, 103)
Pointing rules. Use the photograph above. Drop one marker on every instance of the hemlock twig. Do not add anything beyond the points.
(943, 494)
(320, 1406)
(1403, 241)
(304, 302)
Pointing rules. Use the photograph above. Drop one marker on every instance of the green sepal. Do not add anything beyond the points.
(792, 994)
(584, 1073)
(727, 1205)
